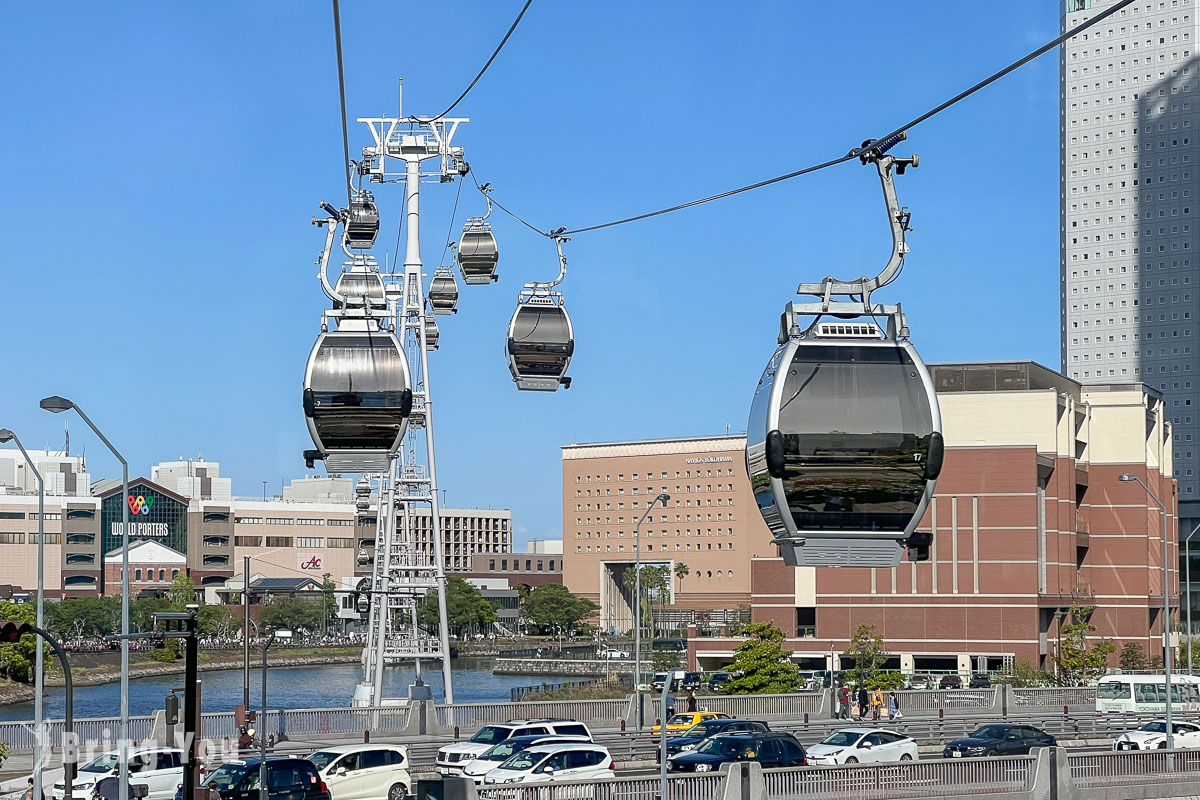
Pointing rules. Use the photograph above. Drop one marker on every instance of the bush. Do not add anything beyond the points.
(3, 752)
(164, 654)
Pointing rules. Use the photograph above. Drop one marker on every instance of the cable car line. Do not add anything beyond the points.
(485, 188)
(857, 152)
(450, 232)
(495, 53)
(337, 35)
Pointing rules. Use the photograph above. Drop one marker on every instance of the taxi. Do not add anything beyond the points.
(681, 722)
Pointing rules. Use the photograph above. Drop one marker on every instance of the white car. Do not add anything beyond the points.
(364, 771)
(554, 762)
(862, 746)
(159, 769)
(612, 652)
(497, 754)
(1153, 736)
(452, 758)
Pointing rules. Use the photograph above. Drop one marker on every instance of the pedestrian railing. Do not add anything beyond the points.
(311, 721)
(1054, 696)
(472, 716)
(1130, 768)
(908, 779)
(753, 706)
(681, 787)
(22, 736)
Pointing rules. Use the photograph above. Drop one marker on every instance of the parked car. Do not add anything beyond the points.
(497, 754)
(950, 682)
(544, 763)
(1153, 736)
(288, 778)
(364, 771)
(1000, 739)
(862, 745)
(769, 749)
(717, 681)
(451, 758)
(656, 683)
(160, 769)
(919, 682)
(684, 721)
(696, 734)
(611, 652)
(980, 680)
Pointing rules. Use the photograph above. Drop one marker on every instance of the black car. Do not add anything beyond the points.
(768, 749)
(1001, 739)
(980, 680)
(693, 736)
(717, 681)
(950, 682)
(288, 778)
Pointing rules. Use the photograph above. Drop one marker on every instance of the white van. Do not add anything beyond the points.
(544, 763)
(159, 769)
(453, 757)
(364, 771)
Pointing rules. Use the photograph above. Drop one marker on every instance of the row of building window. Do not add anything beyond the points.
(608, 548)
(162, 575)
(516, 565)
(650, 476)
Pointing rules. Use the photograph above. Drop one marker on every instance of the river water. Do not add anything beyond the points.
(319, 686)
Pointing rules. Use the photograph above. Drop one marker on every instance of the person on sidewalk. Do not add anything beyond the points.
(843, 702)
(691, 700)
(876, 703)
(894, 706)
(863, 701)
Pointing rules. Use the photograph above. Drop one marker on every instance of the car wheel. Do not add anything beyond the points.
(851, 760)
(989, 753)
(905, 757)
(397, 791)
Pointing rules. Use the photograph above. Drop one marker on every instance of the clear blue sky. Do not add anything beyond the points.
(161, 162)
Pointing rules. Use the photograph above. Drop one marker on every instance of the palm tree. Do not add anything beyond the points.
(681, 572)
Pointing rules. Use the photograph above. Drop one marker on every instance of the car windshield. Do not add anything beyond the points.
(680, 719)
(523, 760)
(490, 734)
(703, 729)
(1112, 690)
(729, 748)
(842, 738)
(322, 759)
(104, 763)
(990, 732)
(227, 775)
(1161, 727)
(499, 752)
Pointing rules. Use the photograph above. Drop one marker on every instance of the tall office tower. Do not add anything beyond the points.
(1129, 129)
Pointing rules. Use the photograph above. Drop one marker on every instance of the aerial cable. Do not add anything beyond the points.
(450, 233)
(494, 202)
(495, 53)
(882, 143)
(337, 35)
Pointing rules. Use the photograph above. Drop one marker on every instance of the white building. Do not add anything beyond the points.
(63, 475)
(196, 479)
(1130, 185)
(544, 547)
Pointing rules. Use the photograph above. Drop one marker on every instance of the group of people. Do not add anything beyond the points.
(858, 704)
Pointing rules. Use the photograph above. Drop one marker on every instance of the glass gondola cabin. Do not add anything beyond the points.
(844, 446)
(541, 342)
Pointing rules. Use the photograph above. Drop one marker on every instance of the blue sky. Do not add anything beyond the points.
(161, 162)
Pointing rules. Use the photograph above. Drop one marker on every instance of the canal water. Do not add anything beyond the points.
(319, 686)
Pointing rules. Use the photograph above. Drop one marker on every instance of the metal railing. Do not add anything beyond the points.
(1053, 696)
(910, 779)
(21, 735)
(1134, 768)
(472, 716)
(679, 787)
(934, 700)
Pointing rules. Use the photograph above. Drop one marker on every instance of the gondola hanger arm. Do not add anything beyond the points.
(331, 225)
(558, 237)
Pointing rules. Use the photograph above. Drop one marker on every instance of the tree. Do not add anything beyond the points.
(1133, 657)
(655, 581)
(328, 601)
(761, 664)
(182, 591)
(553, 605)
(142, 611)
(1022, 673)
(466, 608)
(870, 655)
(17, 658)
(76, 617)
(681, 572)
(215, 621)
(1077, 662)
(290, 613)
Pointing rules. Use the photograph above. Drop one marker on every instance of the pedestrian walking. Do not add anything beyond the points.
(876, 703)
(863, 701)
(894, 706)
(843, 702)
(691, 700)
(668, 706)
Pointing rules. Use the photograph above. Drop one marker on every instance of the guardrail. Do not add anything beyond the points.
(1134, 768)
(21, 735)
(911, 779)
(1052, 696)
(688, 787)
(472, 716)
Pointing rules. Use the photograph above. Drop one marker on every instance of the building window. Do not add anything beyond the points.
(162, 574)
(310, 541)
(340, 522)
(216, 541)
(14, 515)
(280, 521)
(81, 513)
(79, 580)
(12, 538)
(248, 520)
(491, 564)
(81, 538)
(343, 543)
(247, 541)
(216, 516)
(137, 574)
(279, 541)
(51, 538)
(174, 574)
(310, 522)
(81, 558)
(212, 561)
(55, 515)
(552, 565)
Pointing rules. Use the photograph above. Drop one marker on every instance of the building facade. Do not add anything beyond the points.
(1029, 519)
(1130, 182)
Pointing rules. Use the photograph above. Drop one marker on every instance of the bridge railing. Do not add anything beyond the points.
(910, 779)
(472, 716)
(1055, 696)
(681, 787)
(1134, 768)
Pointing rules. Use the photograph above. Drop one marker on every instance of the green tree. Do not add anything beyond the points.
(1078, 662)
(328, 601)
(466, 608)
(681, 572)
(553, 604)
(761, 663)
(1133, 657)
(142, 611)
(655, 582)
(82, 616)
(870, 655)
(216, 621)
(17, 658)
(1022, 673)
(182, 591)
(663, 660)
(291, 613)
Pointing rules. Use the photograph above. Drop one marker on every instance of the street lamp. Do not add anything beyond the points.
(282, 635)
(57, 405)
(1187, 571)
(39, 680)
(1126, 478)
(637, 604)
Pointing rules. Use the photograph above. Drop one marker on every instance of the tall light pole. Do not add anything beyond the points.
(637, 604)
(56, 405)
(262, 719)
(39, 679)
(1166, 592)
(1187, 580)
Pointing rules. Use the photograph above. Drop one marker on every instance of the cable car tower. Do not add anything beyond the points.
(844, 441)
(405, 472)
